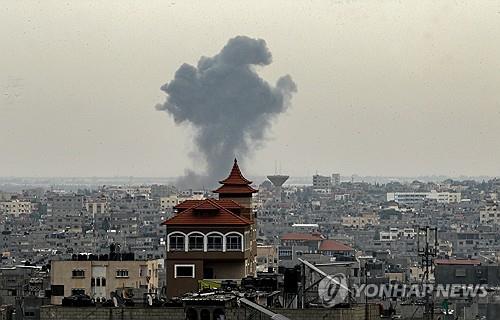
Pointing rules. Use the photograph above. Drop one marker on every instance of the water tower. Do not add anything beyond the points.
(278, 180)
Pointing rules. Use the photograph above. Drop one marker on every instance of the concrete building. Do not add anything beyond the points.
(336, 179)
(98, 210)
(419, 197)
(167, 204)
(161, 191)
(489, 214)
(16, 207)
(321, 182)
(366, 219)
(267, 258)
(65, 212)
(98, 278)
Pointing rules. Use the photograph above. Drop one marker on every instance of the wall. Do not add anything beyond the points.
(67, 313)
(90, 313)
(61, 274)
(353, 313)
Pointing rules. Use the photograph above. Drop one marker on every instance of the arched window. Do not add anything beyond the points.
(177, 242)
(103, 282)
(205, 314)
(191, 314)
(196, 242)
(233, 242)
(219, 314)
(214, 242)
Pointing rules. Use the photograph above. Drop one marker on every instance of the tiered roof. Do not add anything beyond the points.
(206, 212)
(226, 203)
(235, 183)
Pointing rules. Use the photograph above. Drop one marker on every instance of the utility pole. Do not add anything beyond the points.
(427, 243)
(367, 274)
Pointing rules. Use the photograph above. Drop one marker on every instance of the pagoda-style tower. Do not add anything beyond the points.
(237, 188)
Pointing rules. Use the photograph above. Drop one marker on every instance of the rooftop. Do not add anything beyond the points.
(460, 262)
(302, 236)
(235, 183)
(207, 212)
(332, 245)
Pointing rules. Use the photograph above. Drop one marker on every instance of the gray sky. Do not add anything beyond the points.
(385, 87)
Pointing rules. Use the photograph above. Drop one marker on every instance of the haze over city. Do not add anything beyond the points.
(384, 87)
(242, 160)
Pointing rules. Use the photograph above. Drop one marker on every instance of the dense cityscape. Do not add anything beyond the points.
(157, 245)
(138, 141)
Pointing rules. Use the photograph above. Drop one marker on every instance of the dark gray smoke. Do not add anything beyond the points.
(228, 104)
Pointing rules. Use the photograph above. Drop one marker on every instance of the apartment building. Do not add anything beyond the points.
(366, 219)
(419, 197)
(66, 212)
(167, 204)
(98, 278)
(16, 207)
(321, 182)
(489, 214)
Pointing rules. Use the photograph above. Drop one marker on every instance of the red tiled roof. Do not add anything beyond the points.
(332, 245)
(460, 262)
(226, 188)
(235, 176)
(301, 236)
(215, 214)
(226, 203)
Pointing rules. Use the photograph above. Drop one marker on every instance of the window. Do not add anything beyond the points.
(196, 242)
(233, 242)
(214, 243)
(103, 282)
(460, 273)
(184, 271)
(285, 252)
(98, 282)
(122, 273)
(77, 273)
(92, 282)
(57, 290)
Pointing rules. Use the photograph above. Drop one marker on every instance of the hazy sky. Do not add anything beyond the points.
(385, 87)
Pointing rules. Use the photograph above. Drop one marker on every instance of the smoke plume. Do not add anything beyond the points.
(229, 105)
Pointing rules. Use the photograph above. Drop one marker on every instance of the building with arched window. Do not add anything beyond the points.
(212, 239)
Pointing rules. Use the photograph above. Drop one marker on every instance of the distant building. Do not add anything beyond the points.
(65, 212)
(161, 191)
(335, 179)
(322, 182)
(267, 258)
(334, 248)
(418, 197)
(168, 203)
(360, 221)
(296, 245)
(16, 207)
(490, 214)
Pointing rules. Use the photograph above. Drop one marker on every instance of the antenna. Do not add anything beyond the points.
(427, 248)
